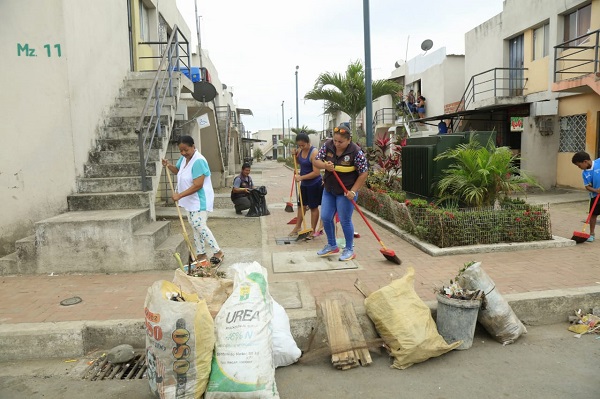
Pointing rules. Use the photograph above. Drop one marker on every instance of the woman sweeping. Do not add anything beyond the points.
(195, 194)
(340, 154)
(311, 184)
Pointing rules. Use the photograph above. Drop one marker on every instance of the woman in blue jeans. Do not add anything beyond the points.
(349, 162)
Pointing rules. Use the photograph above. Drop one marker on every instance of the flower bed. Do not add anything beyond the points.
(512, 222)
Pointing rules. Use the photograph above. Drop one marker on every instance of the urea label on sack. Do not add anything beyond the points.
(243, 353)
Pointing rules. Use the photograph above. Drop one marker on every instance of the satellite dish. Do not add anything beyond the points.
(204, 91)
(398, 63)
(426, 45)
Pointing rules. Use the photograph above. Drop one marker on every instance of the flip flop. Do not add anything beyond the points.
(216, 260)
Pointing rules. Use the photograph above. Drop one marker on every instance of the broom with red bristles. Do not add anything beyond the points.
(582, 236)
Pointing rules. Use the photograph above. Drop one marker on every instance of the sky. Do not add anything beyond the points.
(256, 45)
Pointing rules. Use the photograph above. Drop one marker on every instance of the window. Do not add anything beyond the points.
(578, 23)
(572, 133)
(144, 23)
(541, 44)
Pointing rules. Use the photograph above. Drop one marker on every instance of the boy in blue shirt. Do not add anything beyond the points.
(591, 180)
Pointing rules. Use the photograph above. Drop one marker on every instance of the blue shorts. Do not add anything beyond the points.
(421, 110)
(311, 195)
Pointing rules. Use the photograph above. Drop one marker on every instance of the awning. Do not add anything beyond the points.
(247, 140)
(244, 111)
(486, 110)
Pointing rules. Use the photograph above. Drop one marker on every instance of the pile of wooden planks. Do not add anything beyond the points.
(344, 333)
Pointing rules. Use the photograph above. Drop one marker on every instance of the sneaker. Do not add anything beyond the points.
(238, 212)
(591, 239)
(328, 250)
(347, 254)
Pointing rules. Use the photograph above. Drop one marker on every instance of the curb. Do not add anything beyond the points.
(75, 339)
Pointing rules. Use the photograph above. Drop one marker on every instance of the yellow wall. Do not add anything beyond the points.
(568, 174)
(537, 71)
(139, 50)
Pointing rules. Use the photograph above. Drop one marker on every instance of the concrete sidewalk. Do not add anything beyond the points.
(543, 285)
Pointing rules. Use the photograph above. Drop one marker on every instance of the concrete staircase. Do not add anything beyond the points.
(110, 224)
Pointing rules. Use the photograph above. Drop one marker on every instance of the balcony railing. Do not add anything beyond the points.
(577, 57)
(496, 82)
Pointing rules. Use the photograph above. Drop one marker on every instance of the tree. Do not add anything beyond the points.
(304, 129)
(258, 154)
(478, 174)
(347, 92)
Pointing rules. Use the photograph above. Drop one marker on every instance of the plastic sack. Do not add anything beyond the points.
(242, 365)
(179, 342)
(497, 318)
(405, 324)
(214, 291)
(285, 350)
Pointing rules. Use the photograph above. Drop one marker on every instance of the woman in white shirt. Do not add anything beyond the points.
(195, 194)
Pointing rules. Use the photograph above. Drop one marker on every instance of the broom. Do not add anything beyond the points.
(184, 232)
(302, 234)
(289, 207)
(388, 253)
(582, 236)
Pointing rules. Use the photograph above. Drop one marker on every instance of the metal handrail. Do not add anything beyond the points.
(570, 58)
(468, 96)
(157, 95)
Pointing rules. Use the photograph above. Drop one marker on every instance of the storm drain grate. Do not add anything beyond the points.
(285, 240)
(102, 369)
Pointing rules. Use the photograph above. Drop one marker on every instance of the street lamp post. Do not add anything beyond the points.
(283, 125)
(297, 118)
(368, 84)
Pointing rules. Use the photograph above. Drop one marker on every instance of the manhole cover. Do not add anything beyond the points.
(101, 369)
(71, 301)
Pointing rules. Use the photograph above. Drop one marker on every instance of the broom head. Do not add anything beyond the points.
(289, 207)
(302, 234)
(293, 221)
(390, 255)
(580, 236)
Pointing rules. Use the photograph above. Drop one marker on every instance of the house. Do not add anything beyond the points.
(531, 76)
(94, 93)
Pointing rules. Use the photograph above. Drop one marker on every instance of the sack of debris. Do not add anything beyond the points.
(285, 349)
(242, 365)
(405, 323)
(179, 341)
(214, 291)
(258, 203)
(497, 317)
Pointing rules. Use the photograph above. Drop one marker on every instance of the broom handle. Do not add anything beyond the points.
(299, 196)
(358, 209)
(587, 221)
(185, 234)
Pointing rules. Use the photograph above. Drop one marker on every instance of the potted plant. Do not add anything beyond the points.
(457, 312)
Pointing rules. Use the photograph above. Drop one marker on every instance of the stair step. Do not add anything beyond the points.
(108, 201)
(119, 133)
(25, 249)
(132, 121)
(126, 169)
(111, 184)
(139, 102)
(164, 253)
(9, 264)
(154, 233)
(147, 83)
(136, 112)
(123, 144)
(108, 157)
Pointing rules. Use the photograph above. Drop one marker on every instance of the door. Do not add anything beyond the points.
(515, 62)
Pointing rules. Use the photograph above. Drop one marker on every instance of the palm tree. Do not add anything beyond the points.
(347, 92)
(304, 129)
(479, 174)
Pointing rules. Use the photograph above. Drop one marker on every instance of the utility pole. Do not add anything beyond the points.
(282, 125)
(368, 83)
(297, 118)
(198, 33)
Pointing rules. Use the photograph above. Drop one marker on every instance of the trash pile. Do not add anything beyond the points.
(584, 324)
(216, 337)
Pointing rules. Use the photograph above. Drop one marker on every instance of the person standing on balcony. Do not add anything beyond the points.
(590, 173)
(421, 106)
(410, 101)
(311, 183)
(195, 194)
(341, 155)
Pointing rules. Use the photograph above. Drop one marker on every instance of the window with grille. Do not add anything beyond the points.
(572, 133)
